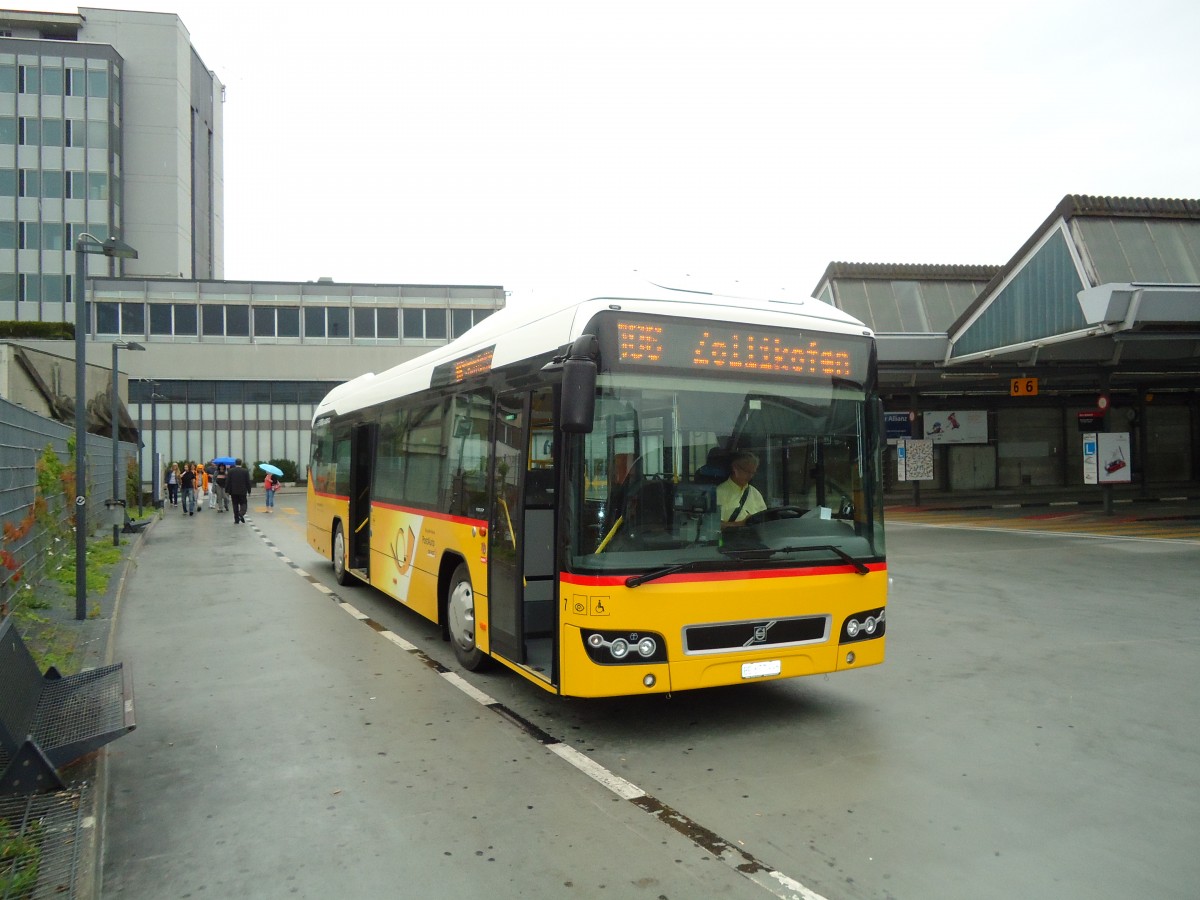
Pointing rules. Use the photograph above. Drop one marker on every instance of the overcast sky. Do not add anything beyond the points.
(498, 142)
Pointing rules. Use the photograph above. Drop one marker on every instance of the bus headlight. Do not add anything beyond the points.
(862, 626)
(617, 647)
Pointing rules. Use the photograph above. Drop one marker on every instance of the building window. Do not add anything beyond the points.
(364, 322)
(264, 321)
(160, 319)
(338, 322)
(75, 133)
(54, 288)
(97, 186)
(8, 235)
(97, 135)
(30, 287)
(178, 319)
(52, 82)
(29, 80)
(435, 323)
(314, 321)
(287, 321)
(30, 183)
(414, 323)
(52, 236)
(108, 318)
(212, 321)
(73, 83)
(8, 287)
(133, 318)
(52, 184)
(31, 132)
(460, 321)
(97, 83)
(8, 182)
(8, 78)
(388, 323)
(76, 185)
(52, 132)
(29, 236)
(8, 129)
(237, 321)
(186, 320)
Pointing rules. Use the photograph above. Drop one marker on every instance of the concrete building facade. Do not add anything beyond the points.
(110, 124)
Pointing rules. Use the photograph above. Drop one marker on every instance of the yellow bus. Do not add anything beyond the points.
(557, 489)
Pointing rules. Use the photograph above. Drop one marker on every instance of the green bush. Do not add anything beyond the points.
(42, 331)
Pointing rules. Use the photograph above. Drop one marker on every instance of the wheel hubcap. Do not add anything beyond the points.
(461, 613)
(339, 551)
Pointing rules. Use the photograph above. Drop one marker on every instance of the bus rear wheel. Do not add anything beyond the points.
(460, 620)
(340, 572)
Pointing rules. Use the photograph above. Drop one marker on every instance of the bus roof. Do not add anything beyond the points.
(534, 329)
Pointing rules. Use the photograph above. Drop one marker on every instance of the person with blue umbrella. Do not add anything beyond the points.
(270, 483)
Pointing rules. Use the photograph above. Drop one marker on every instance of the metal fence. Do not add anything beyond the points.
(24, 437)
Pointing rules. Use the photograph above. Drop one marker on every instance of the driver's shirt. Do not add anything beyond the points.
(729, 494)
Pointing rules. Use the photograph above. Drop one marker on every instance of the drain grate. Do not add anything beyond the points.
(39, 844)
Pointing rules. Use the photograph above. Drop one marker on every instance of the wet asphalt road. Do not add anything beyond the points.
(1033, 733)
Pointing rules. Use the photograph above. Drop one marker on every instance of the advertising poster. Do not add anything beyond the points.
(1112, 457)
(956, 426)
(898, 426)
(914, 461)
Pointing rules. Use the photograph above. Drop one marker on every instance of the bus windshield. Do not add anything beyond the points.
(709, 474)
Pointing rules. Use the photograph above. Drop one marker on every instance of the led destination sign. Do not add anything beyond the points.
(742, 349)
(478, 363)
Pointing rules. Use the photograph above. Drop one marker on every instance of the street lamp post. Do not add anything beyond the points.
(113, 407)
(155, 469)
(114, 247)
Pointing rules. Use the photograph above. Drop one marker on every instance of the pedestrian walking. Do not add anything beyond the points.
(187, 484)
(201, 487)
(210, 471)
(171, 480)
(238, 485)
(270, 486)
(219, 492)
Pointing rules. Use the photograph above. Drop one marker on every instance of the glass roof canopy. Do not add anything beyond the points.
(1033, 308)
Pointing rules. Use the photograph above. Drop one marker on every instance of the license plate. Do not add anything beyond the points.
(761, 669)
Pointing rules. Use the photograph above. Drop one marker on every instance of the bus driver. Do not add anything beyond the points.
(737, 498)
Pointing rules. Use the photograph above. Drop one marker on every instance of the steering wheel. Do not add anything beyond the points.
(771, 513)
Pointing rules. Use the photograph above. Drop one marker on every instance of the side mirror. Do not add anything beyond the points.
(579, 387)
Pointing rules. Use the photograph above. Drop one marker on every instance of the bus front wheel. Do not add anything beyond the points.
(460, 620)
(340, 572)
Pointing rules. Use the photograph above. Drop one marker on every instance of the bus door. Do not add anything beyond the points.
(358, 541)
(522, 572)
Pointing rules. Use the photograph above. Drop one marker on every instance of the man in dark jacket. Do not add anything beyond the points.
(238, 485)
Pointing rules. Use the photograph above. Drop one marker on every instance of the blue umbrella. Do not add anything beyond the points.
(274, 470)
(225, 460)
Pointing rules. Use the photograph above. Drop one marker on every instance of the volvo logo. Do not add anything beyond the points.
(760, 634)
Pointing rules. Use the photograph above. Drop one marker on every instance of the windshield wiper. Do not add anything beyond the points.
(768, 552)
(634, 580)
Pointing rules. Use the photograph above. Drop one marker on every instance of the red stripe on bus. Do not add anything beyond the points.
(428, 514)
(327, 496)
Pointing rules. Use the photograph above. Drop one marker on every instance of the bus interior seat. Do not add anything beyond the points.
(716, 467)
